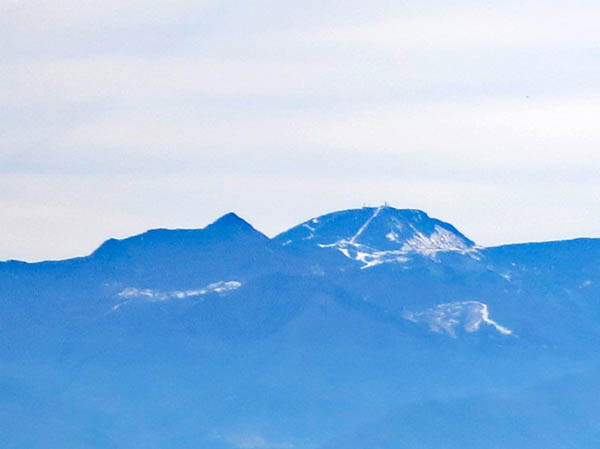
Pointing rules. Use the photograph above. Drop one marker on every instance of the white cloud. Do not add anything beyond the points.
(138, 112)
(467, 136)
(471, 26)
(41, 16)
(155, 79)
(49, 216)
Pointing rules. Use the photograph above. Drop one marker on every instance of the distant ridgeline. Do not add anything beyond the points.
(366, 328)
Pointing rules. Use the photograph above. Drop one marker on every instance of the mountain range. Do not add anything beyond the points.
(360, 329)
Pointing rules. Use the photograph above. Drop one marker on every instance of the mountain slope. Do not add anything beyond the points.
(378, 235)
(374, 327)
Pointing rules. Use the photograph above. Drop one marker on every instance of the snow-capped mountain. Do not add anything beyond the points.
(376, 235)
(373, 327)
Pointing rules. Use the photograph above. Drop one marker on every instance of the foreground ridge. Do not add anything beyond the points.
(362, 328)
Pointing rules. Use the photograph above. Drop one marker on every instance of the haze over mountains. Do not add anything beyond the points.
(367, 328)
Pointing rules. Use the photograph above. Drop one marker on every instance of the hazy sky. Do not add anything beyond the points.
(119, 116)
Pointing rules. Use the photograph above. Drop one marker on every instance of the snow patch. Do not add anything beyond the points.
(407, 239)
(440, 240)
(345, 252)
(370, 256)
(392, 237)
(447, 318)
(309, 227)
(149, 295)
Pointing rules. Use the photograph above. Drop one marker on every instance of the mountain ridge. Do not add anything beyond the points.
(191, 338)
(233, 221)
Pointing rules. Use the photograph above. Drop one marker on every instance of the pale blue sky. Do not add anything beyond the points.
(119, 116)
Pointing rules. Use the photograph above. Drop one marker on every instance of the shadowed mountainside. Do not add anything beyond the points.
(374, 327)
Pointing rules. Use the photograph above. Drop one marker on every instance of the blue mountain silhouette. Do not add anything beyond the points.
(365, 328)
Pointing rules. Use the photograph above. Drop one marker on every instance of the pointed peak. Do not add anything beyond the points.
(230, 226)
(232, 223)
(229, 219)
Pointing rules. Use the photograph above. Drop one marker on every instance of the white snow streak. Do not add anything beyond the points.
(366, 224)
(149, 295)
(428, 245)
(392, 236)
(448, 317)
(440, 240)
